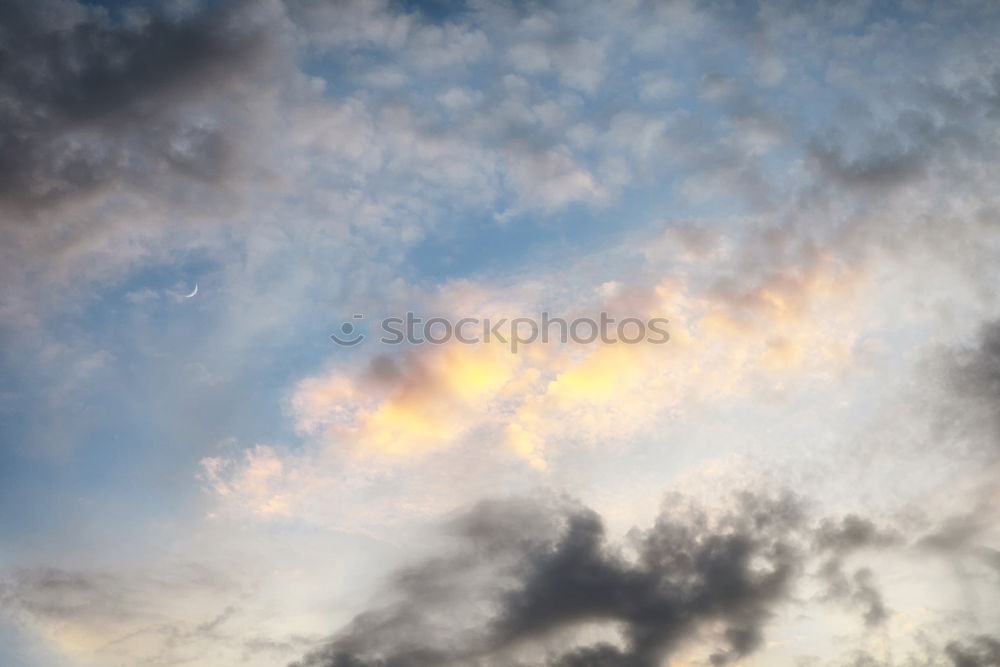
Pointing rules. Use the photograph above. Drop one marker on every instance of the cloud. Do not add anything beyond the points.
(419, 404)
(126, 138)
(125, 614)
(981, 651)
(262, 480)
(972, 374)
(976, 651)
(91, 102)
(405, 410)
(550, 179)
(559, 572)
(839, 540)
(539, 582)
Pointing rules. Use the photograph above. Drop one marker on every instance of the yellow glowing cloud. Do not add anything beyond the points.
(437, 395)
(743, 341)
(604, 373)
(723, 342)
(721, 345)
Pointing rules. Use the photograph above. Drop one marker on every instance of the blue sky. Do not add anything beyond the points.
(806, 192)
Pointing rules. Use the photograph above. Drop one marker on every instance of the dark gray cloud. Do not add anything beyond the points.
(973, 374)
(966, 379)
(838, 540)
(527, 579)
(87, 102)
(976, 651)
(954, 533)
(981, 651)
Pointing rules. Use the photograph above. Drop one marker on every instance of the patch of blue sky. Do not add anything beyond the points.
(18, 649)
(166, 395)
(483, 247)
(434, 11)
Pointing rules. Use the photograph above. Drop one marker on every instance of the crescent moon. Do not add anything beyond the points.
(193, 292)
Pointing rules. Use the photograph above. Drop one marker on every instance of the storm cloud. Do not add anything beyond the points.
(90, 102)
(972, 375)
(528, 581)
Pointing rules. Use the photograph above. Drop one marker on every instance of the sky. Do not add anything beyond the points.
(197, 196)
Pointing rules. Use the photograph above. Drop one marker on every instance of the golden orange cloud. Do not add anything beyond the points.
(724, 342)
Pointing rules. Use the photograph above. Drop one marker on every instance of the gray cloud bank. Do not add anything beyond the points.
(528, 581)
(89, 102)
